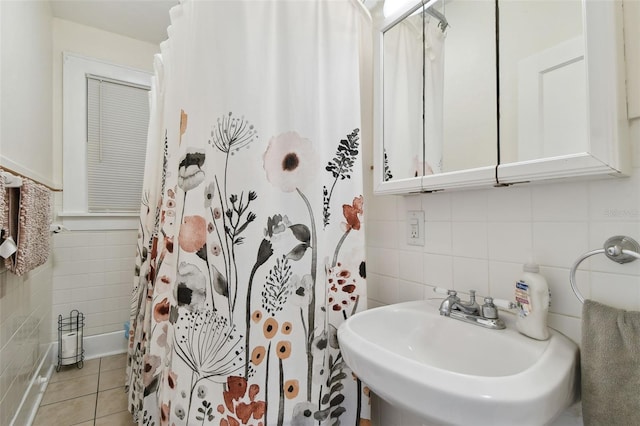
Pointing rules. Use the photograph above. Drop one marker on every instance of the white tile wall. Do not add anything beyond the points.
(25, 324)
(480, 239)
(93, 273)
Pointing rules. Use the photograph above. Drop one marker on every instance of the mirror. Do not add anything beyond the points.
(470, 96)
(563, 108)
(402, 108)
(439, 89)
(451, 112)
(543, 93)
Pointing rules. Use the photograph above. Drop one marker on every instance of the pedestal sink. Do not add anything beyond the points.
(453, 373)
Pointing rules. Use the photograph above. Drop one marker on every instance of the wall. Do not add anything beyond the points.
(25, 321)
(25, 129)
(92, 270)
(480, 239)
(92, 43)
(93, 273)
(25, 103)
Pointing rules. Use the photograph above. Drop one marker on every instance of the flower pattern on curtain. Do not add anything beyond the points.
(251, 239)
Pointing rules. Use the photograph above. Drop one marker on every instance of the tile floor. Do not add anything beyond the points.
(90, 396)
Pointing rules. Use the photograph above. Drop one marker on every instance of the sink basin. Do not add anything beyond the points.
(453, 373)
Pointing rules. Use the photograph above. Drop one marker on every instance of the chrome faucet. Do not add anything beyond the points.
(470, 307)
(446, 305)
(484, 316)
(453, 303)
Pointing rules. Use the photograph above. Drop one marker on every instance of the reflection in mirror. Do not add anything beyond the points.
(439, 90)
(543, 95)
(470, 95)
(402, 110)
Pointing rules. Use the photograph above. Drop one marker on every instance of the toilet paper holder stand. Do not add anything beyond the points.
(70, 342)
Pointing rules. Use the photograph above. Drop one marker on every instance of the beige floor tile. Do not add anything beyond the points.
(69, 389)
(87, 423)
(66, 413)
(111, 401)
(112, 379)
(114, 362)
(67, 372)
(123, 418)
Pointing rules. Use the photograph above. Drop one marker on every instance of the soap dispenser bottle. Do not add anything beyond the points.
(532, 300)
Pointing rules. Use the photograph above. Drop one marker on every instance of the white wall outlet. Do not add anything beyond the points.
(415, 227)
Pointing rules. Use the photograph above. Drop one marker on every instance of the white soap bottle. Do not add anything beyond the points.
(532, 299)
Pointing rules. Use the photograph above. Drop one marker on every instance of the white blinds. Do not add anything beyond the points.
(117, 120)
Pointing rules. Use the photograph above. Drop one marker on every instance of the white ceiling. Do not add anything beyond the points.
(141, 19)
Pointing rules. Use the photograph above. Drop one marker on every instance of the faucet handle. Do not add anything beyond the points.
(441, 290)
(505, 304)
(489, 310)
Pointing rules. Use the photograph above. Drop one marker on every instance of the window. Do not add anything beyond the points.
(105, 122)
(117, 122)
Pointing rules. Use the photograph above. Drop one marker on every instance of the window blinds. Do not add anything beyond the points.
(117, 123)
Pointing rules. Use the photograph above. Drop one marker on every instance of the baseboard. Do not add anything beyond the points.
(94, 347)
(104, 345)
(99, 345)
(33, 395)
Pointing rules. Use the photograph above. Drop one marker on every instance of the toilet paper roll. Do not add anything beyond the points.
(71, 343)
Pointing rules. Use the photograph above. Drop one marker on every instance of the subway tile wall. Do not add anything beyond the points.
(25, 324)
(480, 239)
(93, 273)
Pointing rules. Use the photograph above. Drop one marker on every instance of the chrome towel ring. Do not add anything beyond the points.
(619, 248)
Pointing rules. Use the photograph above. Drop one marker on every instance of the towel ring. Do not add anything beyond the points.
(619, 248)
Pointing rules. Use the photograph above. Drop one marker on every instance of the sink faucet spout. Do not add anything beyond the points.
(470, 308)
(447, 304)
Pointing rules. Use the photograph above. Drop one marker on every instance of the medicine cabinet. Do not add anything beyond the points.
(475, 93)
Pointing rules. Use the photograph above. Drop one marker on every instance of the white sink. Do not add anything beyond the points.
(451, 372)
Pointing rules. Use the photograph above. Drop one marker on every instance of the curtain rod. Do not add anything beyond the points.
(439, 16)
(4, 171)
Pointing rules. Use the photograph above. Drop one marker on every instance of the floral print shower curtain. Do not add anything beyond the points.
(251, 238)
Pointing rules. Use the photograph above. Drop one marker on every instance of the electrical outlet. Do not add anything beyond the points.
(415, 227)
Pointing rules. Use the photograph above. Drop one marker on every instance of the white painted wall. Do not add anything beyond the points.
(25, 104)
(93, 43)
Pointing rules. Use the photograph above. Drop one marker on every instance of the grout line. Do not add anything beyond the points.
(95, 408)
(96, 393)
(68, 399)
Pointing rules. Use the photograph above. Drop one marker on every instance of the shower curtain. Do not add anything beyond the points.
(414, 74)
(435, 36)
(403, 141)
(251, 238)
